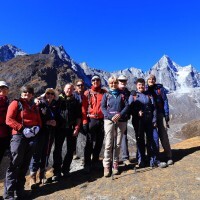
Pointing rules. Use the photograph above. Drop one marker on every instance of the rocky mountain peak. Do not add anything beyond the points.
(58, 51)
(9, 51)
(166, 62)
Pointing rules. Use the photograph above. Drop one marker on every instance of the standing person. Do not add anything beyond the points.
(78, 94)
(70, 112)
(4, 129)
(115, 108)
(93, 123)
(143, 112)
(122, 79)
(24, 119)
(159, 94)
(49, 114)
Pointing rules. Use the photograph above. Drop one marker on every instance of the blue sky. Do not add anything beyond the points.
(108, 35)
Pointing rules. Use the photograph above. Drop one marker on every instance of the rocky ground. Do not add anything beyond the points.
(179, 181)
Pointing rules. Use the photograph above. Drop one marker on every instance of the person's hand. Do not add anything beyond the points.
(76, 130)
(116, 117)
(140, 113)
(36, 101)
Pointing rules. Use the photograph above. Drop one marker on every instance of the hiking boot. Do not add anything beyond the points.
(127, 162)
(106, 172)
(115, 170)
(33, 184)
(170, 162)
(56, 177)
(162, 164)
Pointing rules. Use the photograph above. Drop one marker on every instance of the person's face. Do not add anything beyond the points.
(50, 96)
(151, 81)
(68, 90)
(140, 87)
(26, 95)
(96, 82)
(122, 84)
(3, 91)
(113, 84)
(79, 87)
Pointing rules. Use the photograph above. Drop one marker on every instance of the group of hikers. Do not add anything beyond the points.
(99, 114)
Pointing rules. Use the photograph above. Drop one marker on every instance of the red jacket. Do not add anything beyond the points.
(4, 129)
(30, 115)
(91, 105)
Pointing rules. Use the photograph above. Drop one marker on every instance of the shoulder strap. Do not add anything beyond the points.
(20, 108)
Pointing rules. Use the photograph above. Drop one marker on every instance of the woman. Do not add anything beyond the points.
(4, 129)
(114, 106)
(49, 115)
(24, 119)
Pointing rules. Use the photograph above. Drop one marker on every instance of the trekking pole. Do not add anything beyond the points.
(114, 146)
(47, 154)
(137, 138)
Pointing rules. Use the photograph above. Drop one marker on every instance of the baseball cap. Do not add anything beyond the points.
(3, 83)
(122, 77)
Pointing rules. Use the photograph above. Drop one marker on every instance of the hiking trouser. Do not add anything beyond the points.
(112, 132)
(124, 146)
(22, 149)
(162, 132)
(43, 149)
(59, 164)
(143, 129)
(95, 134)
(4, 145)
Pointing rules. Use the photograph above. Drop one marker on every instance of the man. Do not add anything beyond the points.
(70, 112)
(93, 123)
(4, 129)
(78, 94)
(143, 112)
(122, 79)
(159, 94)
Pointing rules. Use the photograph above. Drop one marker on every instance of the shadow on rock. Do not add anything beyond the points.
(76, 178)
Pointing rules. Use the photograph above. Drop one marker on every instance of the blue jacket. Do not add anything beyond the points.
(111, 105)
(159, 94)
(145, 103)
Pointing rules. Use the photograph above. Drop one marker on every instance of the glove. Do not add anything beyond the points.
(85, 128)
(133, 93)
(167, 118)
(31, 132)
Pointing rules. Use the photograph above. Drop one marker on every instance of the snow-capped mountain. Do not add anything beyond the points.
(173, 76)
(8, 52)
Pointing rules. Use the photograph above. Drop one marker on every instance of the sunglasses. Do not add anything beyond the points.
(123, 81)
(95, 80)
(80, 85)
(50, 93)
